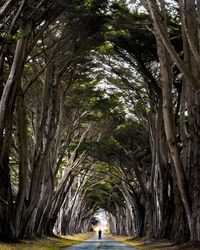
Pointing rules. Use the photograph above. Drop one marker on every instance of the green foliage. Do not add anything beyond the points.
(131, 135)
(119, 8)
(89, 6)
(106, 48)
(98, 104)
(12, 39)
(112, 34)
(105, 192)
(6, 39)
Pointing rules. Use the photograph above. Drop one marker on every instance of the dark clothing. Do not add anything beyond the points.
(99, 234)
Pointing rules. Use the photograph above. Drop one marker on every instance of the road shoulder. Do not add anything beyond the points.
(147, 244)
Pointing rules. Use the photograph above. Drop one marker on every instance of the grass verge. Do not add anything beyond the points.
(146, 244)
(50, 243)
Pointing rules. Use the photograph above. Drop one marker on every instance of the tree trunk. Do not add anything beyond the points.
(166, 80)
(7, 104)
(24, 182)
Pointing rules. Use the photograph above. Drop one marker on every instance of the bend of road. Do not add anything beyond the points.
(104, 244)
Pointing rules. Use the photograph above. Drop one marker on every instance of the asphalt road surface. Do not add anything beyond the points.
(103, 244)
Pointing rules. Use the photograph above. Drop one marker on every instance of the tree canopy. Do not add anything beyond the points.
(99, 109)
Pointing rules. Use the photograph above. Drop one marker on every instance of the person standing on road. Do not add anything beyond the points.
(99, 234)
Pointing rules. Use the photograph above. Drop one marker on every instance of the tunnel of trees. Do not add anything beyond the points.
(100, 108)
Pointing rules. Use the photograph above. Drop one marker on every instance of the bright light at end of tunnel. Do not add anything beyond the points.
(103, 224)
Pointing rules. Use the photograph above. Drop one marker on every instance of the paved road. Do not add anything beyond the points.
(103, 244)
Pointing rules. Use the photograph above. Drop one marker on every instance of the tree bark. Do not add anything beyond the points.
(166, 79)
